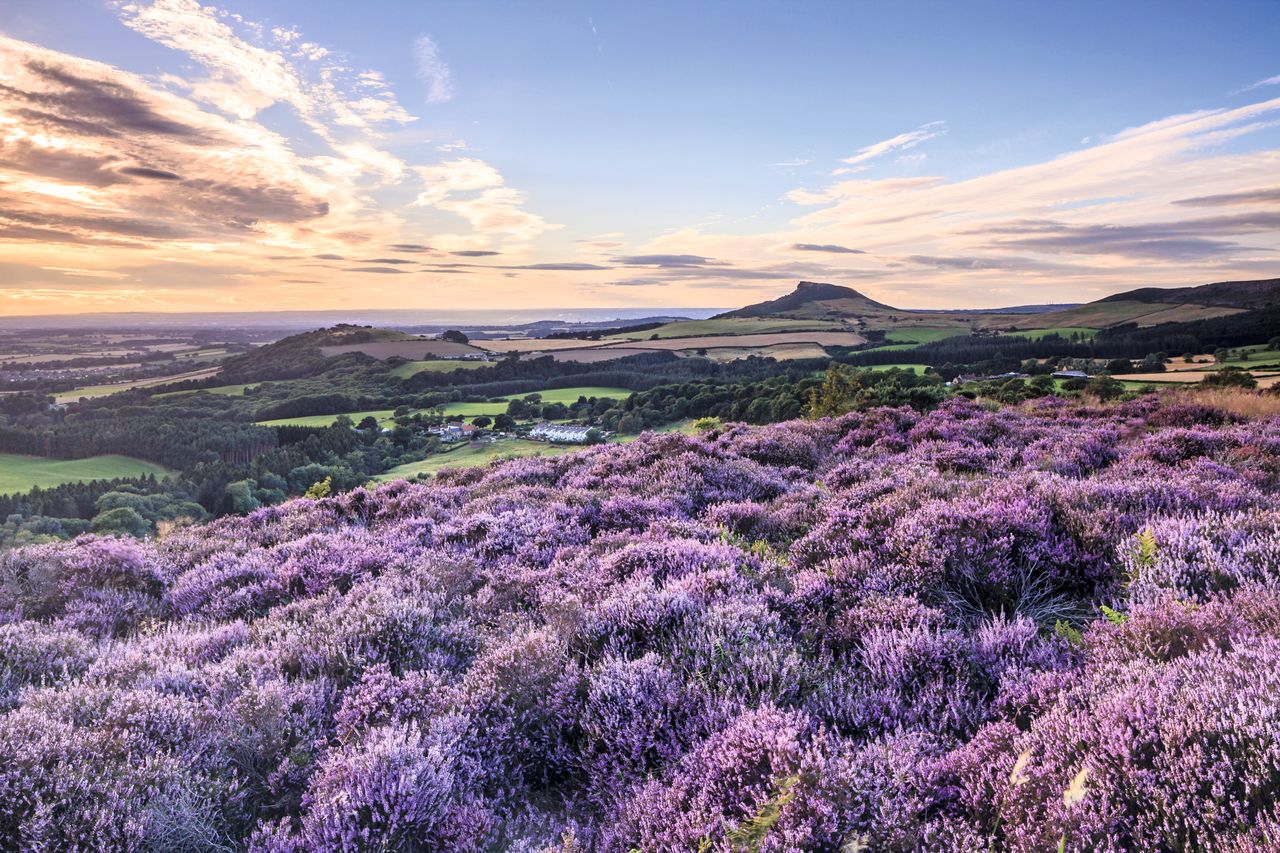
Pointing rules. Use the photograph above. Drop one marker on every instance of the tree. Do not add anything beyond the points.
(1274, 343)
(121, 521)
(504, 422)
(835, 396)
(1230, 377)
(482, 421)
(455, 337)
(241, 495)
(595, 436)
(1105, 387)
(631, 422)
(1119, 365)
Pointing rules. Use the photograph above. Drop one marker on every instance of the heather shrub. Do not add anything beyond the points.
(969, 629)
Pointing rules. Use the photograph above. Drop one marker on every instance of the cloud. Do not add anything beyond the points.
(432, 70)
(563, 267)
(153, 174)
(901, 142)
(1269, 81)
(1182, 240)
(476, 191)
(666, 261)
(826, 247)
(382, 270)
(1264, 196)
(409, 247)
(475, 253)
(246, 74)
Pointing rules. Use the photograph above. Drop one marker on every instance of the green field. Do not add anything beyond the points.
(469, 456)
(1259, 355)
(913, 368)
(23, 473)
(463, 410)
(922, 335)
(1064, 331)
(382, 416)
(732, 326)
(222, 390)
(438, 365)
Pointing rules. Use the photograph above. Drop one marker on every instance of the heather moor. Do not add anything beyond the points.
(581, 427)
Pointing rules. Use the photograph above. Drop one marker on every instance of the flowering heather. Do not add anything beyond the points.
(1023, 629)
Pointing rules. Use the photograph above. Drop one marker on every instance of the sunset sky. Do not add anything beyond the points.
(165, 155)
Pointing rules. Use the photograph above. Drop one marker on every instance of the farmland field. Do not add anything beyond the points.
(913, 368)
(591, 355)
(782, 352)
(413, 350)
(382, 416)
(20, 473)
(921, 335)
(536, 344)
(731, 326)
(412, 368)
(221, 390)
(1064, 331)
(104, 390)
(846, 339)
(472, 455)
(464, 410)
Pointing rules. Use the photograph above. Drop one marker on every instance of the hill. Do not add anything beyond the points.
(1142, 308)
(1260, 293)
(810, 300)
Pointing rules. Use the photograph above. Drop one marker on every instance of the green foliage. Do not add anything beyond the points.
(707, 424)
(121, 521)
(751, 833)
(1230, 377)
(835, 396)
(1069, 633)
(320, 489)
(1115, 617)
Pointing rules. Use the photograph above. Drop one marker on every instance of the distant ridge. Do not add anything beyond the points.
(1259, 293)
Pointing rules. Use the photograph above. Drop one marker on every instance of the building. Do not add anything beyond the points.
(560, 433)
(1070, 374)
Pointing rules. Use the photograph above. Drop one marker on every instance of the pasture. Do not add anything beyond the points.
(104, 390)
(413, 368)
(20, 473)
(921, 335)
(1064, 331)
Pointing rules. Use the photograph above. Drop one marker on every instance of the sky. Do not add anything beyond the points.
(164, 155)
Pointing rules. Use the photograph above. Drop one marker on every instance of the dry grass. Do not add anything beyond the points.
(1246, 404)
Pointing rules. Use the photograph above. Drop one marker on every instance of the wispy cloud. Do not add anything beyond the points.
(432, 70)
(1116, 214)
(477, 192)
(831, 248)
(901, 142)
(1269, 81)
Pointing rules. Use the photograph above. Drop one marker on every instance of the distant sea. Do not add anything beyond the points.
(316, 319)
